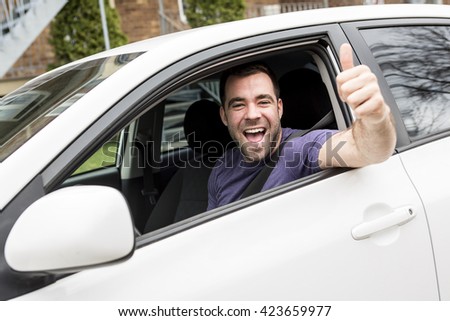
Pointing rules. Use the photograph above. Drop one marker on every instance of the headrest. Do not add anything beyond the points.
(305, 98)
(204, 130)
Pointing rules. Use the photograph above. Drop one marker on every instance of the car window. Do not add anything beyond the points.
(305, 82)
(415, 61)
(105, 156)
(163, 179)
(26, 111)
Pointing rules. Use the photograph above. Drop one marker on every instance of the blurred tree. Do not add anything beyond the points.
(77, 32)
(207, 12)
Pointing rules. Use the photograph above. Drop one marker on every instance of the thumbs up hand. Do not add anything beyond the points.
(372, 137)
(358, 87)
(346, 57)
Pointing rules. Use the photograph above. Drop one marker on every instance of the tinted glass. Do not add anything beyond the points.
(26, 111)
(416, 64)
(105, 156)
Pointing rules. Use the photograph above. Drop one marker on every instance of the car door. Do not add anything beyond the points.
(419, 77)
(294, 245)
(358, 234)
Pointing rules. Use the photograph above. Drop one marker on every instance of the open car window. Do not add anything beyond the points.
(165, 156)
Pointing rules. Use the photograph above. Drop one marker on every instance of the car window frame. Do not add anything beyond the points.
(352, 31)
(157, 87)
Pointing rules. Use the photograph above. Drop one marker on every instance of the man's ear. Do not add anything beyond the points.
(223, 116)
(280, 107)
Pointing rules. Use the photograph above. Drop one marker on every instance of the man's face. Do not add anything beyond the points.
(252, 114)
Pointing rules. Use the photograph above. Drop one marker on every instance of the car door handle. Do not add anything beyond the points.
(398, 217)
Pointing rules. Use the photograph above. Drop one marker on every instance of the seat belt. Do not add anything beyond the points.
(149, 190)
(258, 182)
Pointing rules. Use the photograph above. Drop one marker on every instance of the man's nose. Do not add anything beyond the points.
(253, 112)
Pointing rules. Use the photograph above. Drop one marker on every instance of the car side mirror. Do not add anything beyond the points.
(71, 229)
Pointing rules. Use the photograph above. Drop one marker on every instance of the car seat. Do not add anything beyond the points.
(187, 192)
(305, 99)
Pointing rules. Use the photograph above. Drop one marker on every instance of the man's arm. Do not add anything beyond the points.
(372, 137)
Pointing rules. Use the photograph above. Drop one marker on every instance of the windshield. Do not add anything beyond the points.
(29, 109)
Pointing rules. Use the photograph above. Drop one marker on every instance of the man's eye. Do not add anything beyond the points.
(264, 102)
(238, 105)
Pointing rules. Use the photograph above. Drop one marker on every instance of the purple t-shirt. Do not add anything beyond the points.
(231, 175)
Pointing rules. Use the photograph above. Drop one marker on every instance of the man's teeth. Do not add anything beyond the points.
(254, 131)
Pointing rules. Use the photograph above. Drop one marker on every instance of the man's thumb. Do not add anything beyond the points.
(346, 56)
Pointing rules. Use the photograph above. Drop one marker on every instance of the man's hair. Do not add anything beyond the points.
(245, 70)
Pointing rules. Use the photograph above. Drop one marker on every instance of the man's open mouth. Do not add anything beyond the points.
(255, 135)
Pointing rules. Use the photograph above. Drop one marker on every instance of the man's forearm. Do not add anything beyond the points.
(362, 144)
(375, 142)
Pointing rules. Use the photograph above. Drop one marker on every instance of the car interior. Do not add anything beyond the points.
(166, 155)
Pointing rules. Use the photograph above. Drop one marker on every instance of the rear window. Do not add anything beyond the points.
(30, 108)
(415, 61)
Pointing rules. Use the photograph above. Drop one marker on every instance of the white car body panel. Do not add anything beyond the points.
(430, 176)
(292, 244)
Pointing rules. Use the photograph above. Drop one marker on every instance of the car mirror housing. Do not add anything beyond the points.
(71, 229)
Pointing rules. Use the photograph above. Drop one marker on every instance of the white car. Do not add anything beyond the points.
(102, 196)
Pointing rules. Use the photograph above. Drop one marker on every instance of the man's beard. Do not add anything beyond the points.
(254, 152)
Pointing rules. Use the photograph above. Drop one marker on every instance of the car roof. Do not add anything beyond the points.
(167, 49)
(211, 35)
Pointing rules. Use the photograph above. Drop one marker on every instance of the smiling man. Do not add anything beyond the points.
(251, 109)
